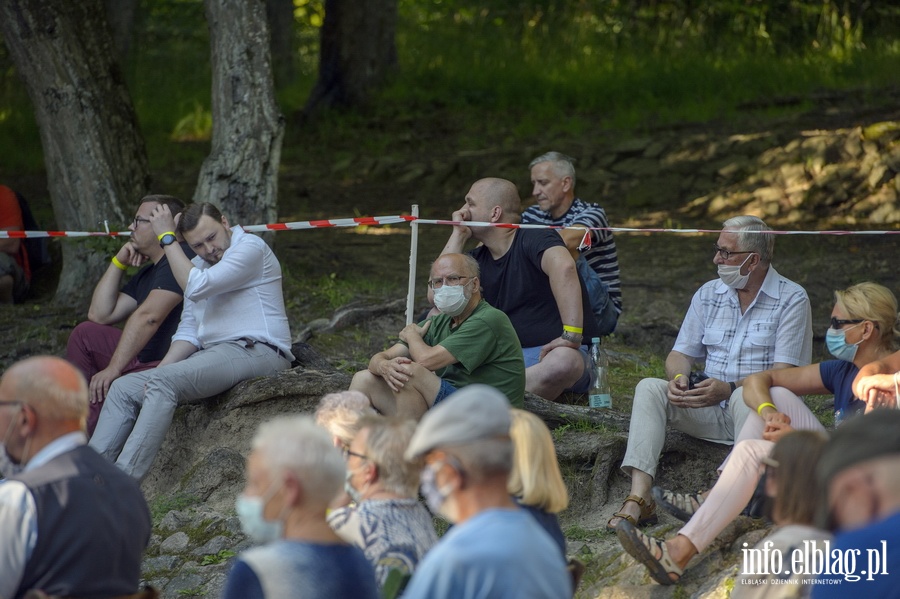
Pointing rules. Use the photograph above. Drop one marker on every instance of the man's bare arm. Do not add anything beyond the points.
(139, 328)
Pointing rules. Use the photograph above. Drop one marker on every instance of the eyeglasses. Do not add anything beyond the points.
(347, 453)
(453, 281)
(837, 323)
(727, 254)
(138, 220)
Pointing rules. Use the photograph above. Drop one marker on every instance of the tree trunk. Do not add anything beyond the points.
(357, 51)
(240, 175)
(93, 150)
(120, 15)
(280, 16)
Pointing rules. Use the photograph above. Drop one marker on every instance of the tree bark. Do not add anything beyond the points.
(357, 51)
(93, 150)
(240, 175)
(280, 16)
(120, 15)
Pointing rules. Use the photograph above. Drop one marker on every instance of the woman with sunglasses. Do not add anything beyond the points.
(863, 330)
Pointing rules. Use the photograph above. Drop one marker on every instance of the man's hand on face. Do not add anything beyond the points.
(462, 215)
(161, 220)
(129, 255)
(706, 393)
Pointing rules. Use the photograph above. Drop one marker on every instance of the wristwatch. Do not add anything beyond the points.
(166, 239)
(571, 337)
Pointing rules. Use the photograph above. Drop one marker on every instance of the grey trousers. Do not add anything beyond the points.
(139, 407)
(651, 412)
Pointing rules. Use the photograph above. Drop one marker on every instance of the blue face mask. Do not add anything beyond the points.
(836, 341)
(434, 497)
(250, 512)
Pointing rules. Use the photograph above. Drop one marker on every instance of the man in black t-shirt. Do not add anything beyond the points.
(149, 305)
(531, 276)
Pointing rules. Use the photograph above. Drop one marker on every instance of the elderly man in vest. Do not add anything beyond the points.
(71, 523)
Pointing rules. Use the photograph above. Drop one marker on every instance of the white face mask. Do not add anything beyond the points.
(731, 275)
(452, 299)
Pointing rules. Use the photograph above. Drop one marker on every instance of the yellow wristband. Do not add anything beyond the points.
(163, 234)
(576, 330)
(767, 404)
(676, 376)
(118, 264)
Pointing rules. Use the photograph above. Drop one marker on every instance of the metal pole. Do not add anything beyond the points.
(413, 258)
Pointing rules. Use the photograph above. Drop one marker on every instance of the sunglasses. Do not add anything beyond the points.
(837, 323)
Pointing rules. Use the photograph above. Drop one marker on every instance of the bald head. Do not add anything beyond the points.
(51, 386)
(463, 264)
(502, 193)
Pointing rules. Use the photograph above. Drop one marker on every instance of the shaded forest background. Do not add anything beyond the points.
(463, 77)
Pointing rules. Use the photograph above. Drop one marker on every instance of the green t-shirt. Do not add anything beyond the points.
(487, 351)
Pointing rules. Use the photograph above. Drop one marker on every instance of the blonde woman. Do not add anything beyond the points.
(339, 414)
(535, 481)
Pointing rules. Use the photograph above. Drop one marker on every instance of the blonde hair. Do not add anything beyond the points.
(875, 303)
(535, 476)
(339, 414)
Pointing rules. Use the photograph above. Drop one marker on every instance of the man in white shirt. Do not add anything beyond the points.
(748, 320)
(71, 523)
(233, 327)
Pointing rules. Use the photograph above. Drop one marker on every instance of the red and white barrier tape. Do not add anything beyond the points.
(392, 220)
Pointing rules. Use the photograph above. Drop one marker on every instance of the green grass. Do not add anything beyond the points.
(511, 70)
(162, 505)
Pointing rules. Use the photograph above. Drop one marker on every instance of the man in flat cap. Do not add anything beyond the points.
(860, 475)
(495, 549)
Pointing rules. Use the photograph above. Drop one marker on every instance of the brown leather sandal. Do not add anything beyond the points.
(648, 513)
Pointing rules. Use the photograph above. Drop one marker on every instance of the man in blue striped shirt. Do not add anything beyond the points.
(553, 178)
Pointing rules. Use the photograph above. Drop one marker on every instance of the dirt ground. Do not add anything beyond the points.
(328, 268)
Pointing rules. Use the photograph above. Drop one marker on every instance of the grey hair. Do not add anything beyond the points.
(760, 243)
(563, 165)
(385, 444)
(484, 458)
(339, 413)
(471, 264)
(296, 444)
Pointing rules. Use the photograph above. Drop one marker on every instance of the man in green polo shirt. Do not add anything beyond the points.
(468, 342)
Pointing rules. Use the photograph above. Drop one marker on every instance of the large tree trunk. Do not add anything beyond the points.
(120, 15)
(357, 51)
(240, 175)
(93, 149)
(280, 16)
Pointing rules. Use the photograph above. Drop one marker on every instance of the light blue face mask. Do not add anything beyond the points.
(836, 341)
(434, 497)
(250, 512)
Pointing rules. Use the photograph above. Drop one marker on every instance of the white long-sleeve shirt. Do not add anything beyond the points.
(240, 296)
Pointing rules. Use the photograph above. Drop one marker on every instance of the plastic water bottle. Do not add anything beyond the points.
(599, 395)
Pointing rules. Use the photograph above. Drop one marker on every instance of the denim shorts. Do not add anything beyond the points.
(582, 385)
(445, 390)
